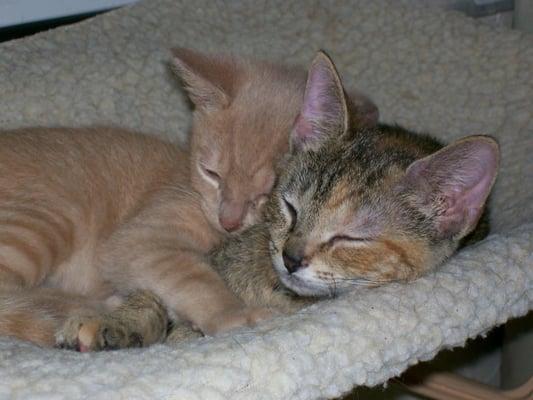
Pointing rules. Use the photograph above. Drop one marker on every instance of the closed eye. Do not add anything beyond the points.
(210, 174)
(292, 212)
(348, 239)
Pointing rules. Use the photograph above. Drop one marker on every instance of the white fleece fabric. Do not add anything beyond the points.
(428, 70)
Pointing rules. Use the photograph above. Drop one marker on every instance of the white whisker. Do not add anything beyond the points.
(366, 280)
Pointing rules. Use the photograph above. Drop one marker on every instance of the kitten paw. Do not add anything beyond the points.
(92, 333)
(140, 320)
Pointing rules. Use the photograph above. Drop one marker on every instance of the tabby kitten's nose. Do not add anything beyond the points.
(292, 263)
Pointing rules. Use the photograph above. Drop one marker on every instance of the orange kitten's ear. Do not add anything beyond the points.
(453, 184)
(209, 80)
(324, 111)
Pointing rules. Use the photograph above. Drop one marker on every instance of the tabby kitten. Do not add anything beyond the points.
(244, 112)
(354, 207)
(357, 207)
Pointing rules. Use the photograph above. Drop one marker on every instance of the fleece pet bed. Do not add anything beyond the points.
(428, 70)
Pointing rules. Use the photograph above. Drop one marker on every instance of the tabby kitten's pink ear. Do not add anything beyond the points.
(324, 111)
(453, 184)
(209, 80)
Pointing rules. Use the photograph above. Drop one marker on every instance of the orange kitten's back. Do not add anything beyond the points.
(62, 190)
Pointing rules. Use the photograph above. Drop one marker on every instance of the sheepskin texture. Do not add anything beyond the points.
(430, 71)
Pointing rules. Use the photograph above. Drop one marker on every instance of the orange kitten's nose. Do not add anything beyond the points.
(231, 215)
(229, 224)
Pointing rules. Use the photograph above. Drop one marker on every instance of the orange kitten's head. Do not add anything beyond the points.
(361, 207)
(244, 111)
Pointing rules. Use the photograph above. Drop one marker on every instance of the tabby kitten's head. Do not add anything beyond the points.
(357, 208)
(243, 114)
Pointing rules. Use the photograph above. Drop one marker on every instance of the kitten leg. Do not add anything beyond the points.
(36, 314)
(141, 320)
(192, 290)
(164, 249)
(35, 237)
